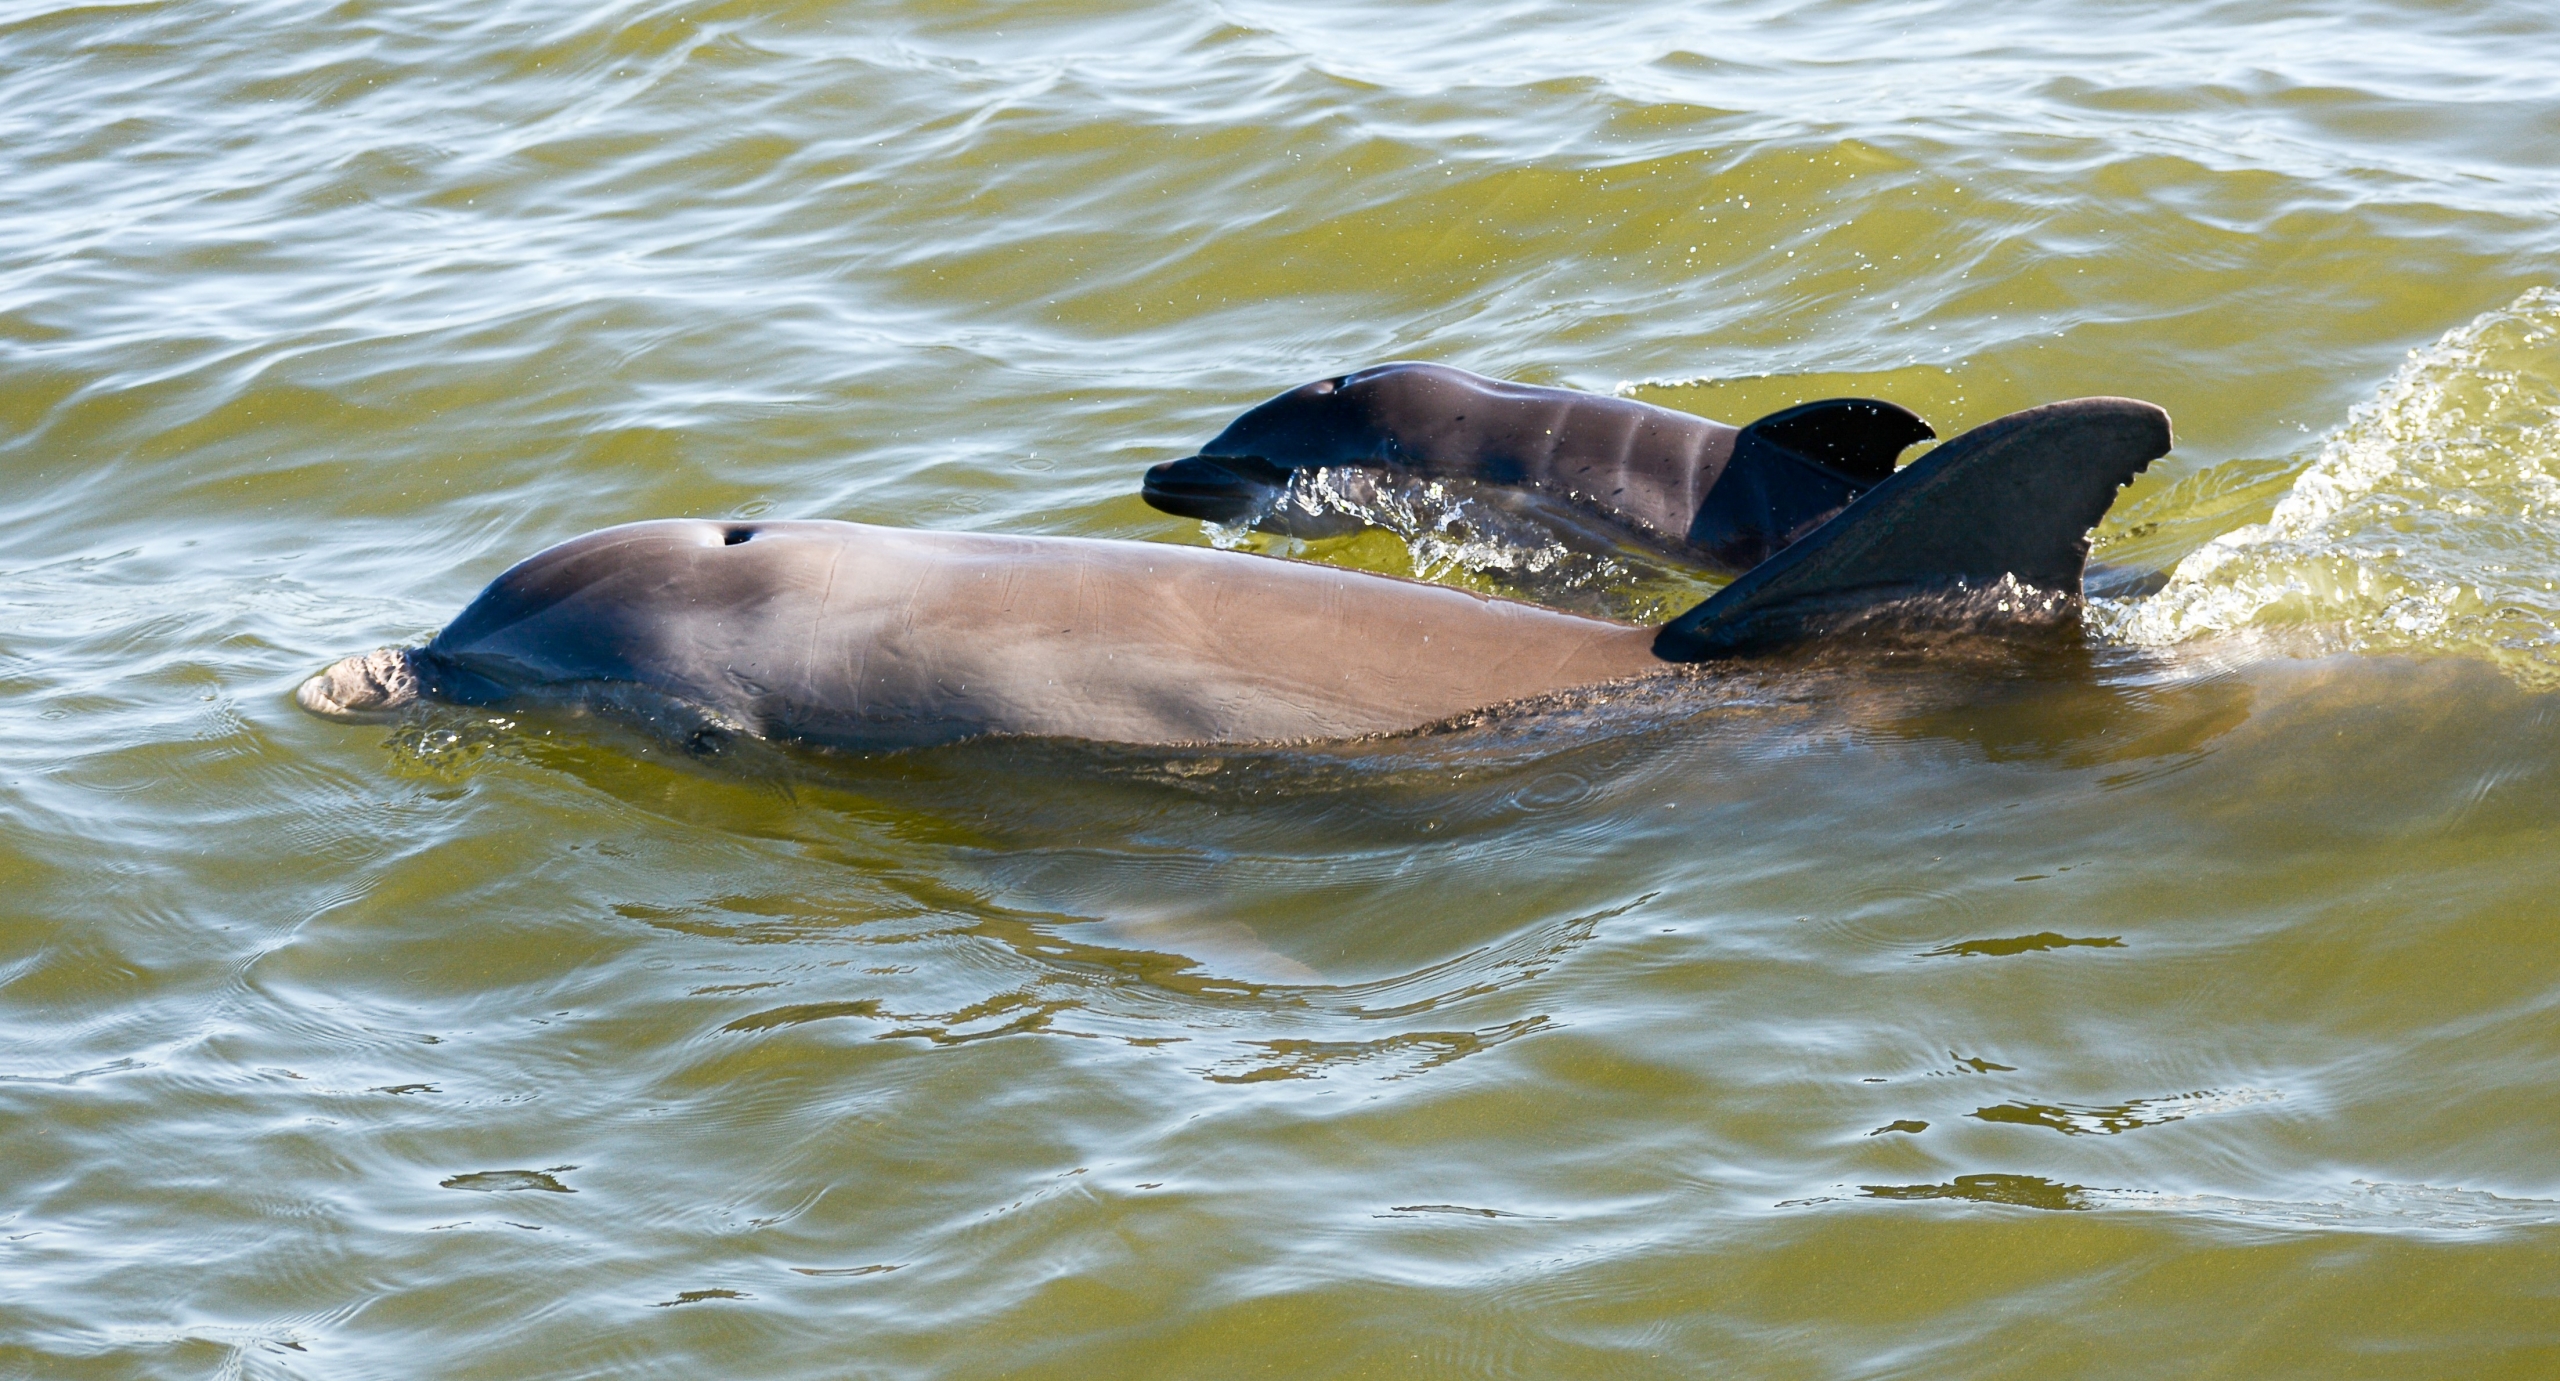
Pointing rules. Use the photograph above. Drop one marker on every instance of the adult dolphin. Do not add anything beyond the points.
(1719, 496)
(844, 635)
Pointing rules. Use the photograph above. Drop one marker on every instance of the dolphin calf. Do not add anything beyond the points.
(1714, 495)
(850, 636)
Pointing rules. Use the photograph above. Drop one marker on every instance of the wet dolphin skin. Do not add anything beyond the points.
(847, 635)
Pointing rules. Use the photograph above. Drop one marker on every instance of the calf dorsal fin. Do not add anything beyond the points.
(1793, 469)
(2012, 499)
(1855, 438)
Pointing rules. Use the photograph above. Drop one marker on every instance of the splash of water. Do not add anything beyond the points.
(2430, 522)
(1454, 532)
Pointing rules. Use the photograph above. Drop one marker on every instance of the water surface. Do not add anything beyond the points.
(2175, 1003)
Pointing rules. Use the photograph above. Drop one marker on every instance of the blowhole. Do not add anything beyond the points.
(736, 535)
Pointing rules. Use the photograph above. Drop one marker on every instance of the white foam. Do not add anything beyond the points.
(2364, 1205)
(1459, 533)
(2430, 521)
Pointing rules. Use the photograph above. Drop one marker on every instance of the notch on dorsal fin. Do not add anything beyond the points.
(2007, 505)
(1793, 469)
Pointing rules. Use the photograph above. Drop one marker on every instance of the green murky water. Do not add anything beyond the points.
(2181, 1006)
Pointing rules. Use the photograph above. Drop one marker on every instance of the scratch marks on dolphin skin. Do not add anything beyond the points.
(818, 619)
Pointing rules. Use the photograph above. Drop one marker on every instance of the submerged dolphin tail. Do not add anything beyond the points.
(2003, 511)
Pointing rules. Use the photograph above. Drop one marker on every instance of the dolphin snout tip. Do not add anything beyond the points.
(371, 686)
(1209, 488)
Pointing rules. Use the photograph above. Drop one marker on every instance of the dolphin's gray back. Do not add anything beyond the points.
(854, 636)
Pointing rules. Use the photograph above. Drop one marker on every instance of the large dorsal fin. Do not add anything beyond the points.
(2013, 498)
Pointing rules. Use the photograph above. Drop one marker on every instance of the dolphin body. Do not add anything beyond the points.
(1717, 496)
(851, 636)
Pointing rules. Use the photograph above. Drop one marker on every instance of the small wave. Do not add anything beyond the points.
(2426, 523)
(1481, 537)
(2024, 944)
(503, 1181)
(2082, 1120)
(1454, 1211)
(2363, 1205)
(2016, 1191)
(1399, 1056)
